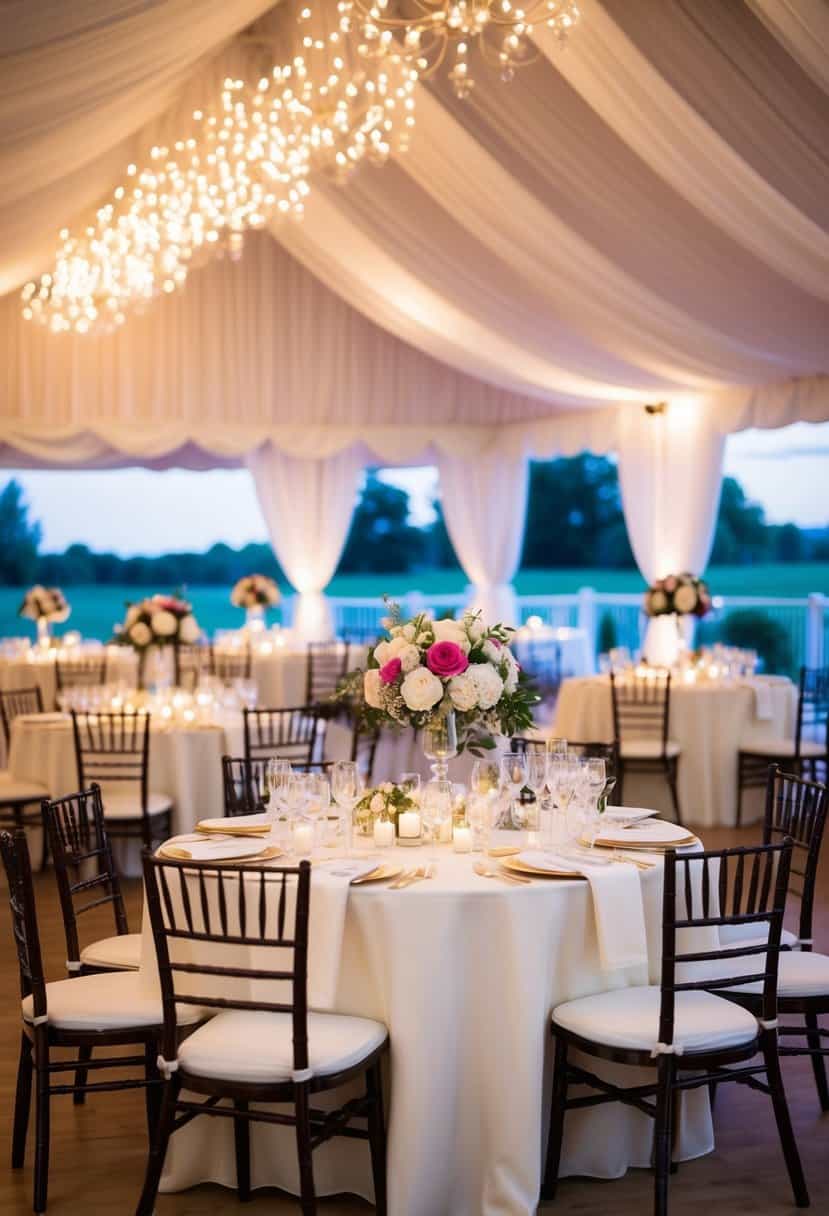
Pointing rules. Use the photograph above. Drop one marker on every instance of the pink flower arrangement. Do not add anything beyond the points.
(445, 659)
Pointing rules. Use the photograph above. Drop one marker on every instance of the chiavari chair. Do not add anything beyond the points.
(191, 661)
(81, 1014)
(641, 707)
(113, 750)
(263, 1045)
(17, 701)
(296, 733)
(80, 671)
(685, 1029)
(20, 800)
(326, 665)
(807, 753)
(229, 665)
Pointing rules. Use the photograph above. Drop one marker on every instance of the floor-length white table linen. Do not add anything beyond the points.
(710, 720)
(464, 971)
(34, 669)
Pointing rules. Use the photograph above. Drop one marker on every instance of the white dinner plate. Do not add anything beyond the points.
(236, 824)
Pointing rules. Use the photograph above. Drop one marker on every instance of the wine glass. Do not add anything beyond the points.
(556, 747)
(278, 775)
(537, 765)
(318, 800)
(435, 809)
(346, 788)
(485, 776)
(513, 777)
(594, 781)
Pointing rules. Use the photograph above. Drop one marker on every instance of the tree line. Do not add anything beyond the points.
(574, 520)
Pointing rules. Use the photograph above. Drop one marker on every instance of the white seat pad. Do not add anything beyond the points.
(729, 934)
(126, 804)
(784, 747)
(801, 973)
(629, 1017)
(12, 790)
(120, 953)
(105, 1002)
(256, 1046)
(648, 749)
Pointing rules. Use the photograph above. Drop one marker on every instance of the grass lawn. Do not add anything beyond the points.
(96, 609)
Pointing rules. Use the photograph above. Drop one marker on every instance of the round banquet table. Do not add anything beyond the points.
(711, 722)
(33, 668)
(464, 971)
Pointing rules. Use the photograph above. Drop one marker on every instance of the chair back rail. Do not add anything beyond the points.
(812, 705)
(80, 671)
(17, 701)
(292, 733)
(229, 665)
(641, 705)
(797, 808)
(190, 662)
(17, 865)
(742, 886)
(244, 782)
(326, 664)
(609, 752)
(84, 867)
(243, 906)
(113, 746)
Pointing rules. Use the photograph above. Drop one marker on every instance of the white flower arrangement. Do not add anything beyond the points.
(424, 670)
(255, 591)
(160, 620)
(44, 604)
(683, 594)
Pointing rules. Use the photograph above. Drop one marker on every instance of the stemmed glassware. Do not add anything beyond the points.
(318, 801)
(537, 766)
(346, 788)
(440, 745)
(278, 775)
(436, 809)
(594, 782)
(513, 778)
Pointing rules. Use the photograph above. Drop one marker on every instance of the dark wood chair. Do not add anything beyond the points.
(190, 663)
(684, 1028)
(804, 754)
(244, 782)
(584, 751)
(113, 750)
(796, 809)
(364, 751)
(641, 708)
(326, 664)
(254, 1051)
(295, 733)
(230, 665)
(82, 1014)
(20, 800)
(81, 671)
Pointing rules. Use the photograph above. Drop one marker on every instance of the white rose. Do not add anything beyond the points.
(133, 613)
(377, 804)
(685, 598)
(451, 631)
(371, 688)
(421, 689)
(382, 652)
(511, 678)
(140, 634)
(488, 684)
(164, 624)
(474, 626)
(409, 657)
(386, 787)
(409, 632)
(188, 630)
(463, 691)
(493, 651)
(659, 602)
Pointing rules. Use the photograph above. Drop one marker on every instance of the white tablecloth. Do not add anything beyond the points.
(38, 670)
(464, 971)
(711, 722)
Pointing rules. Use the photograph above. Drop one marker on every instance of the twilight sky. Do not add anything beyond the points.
(137, 511)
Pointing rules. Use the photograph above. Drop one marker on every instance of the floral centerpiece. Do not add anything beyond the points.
(45, 606)
(255, 591)
(423, 673)
(160, 620)
(385, 801)
(683, 594)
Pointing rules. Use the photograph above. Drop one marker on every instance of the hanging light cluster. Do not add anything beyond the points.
(433, 33)
(245, 162)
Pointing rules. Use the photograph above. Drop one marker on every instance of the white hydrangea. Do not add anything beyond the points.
(409, 657)
(511, 676)
(421, 689)
(164, 624)
(382, 652)
(463, 691)
(488, 684)
(372, 688)
(141, 634)
(188, 630)
(451, 631)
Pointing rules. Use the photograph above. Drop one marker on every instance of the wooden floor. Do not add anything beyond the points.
(98, 1151)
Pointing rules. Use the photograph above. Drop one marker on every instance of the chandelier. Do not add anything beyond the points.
(243, 162)
(431, 33)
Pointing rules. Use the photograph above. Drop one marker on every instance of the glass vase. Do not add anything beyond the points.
(440, 745)
(42, 632)
(255, 618)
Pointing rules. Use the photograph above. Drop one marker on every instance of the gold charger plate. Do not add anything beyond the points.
(506, 850)
(521, 867)
(174, 853)
(387, 870)
(642, 846)
(231, 831)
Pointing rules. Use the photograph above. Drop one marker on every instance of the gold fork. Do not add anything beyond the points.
(483, 872)
(408, 877)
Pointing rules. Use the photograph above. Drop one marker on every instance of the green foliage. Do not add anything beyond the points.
(574, 515)
(19, 539)
(607, 637)
(751, 629)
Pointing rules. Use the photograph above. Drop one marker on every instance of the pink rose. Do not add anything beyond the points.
(390, 671)
(446, 659)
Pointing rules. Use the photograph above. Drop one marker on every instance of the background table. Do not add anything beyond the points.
(36, 668)
(711, 721)
(464, 971)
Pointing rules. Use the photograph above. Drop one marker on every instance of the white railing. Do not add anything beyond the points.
(609, 618)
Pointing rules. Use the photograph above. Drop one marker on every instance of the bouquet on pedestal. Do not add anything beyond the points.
(160, 620)
(680, 594)
(44, 604)
(255, 591)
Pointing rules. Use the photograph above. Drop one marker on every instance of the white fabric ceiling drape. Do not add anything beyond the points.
(485, 505)
(670, 472)
(307, 505)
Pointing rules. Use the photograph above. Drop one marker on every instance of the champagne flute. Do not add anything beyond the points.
(279, 774)
(594, 769)
(346, 787)
(556, 748)
(537, 766)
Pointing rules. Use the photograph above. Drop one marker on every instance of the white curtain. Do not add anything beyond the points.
(485, 506)
(307, 506)
(670, 472)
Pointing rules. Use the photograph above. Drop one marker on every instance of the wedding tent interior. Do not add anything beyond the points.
(309, 237)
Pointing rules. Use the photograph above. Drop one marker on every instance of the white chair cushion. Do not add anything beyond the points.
(783, 747)
(629, 1018)
(801, 973)
(12, 790)
(105, 1002)
(119, 953)
(729, 934)
(244, 1045)
(647, 749)
(126, 804)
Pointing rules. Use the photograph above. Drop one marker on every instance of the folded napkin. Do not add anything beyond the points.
(237, 825)
(214, 848)
(329, 902)
(619, 912)
(763, 704)
(659, 832)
